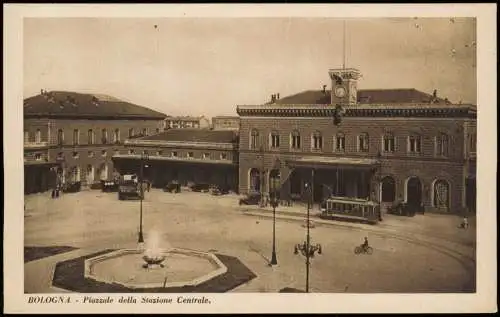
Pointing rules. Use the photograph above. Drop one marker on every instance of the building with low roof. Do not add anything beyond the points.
(70, 136)
(182, 122)
(226, 123)
(188, 156)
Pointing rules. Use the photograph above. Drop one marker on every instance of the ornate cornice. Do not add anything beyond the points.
(360, 110)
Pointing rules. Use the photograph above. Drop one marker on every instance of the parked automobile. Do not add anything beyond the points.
(129, 187)
(109, 186)
(251, 199)
(200, 187)
(172, 187)
(220, 190)
(72, 187)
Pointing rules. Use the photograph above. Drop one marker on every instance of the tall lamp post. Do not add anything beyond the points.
(305, 248)
(144, 157)
(274, 203)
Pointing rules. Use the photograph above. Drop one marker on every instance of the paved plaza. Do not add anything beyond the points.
(425, 253)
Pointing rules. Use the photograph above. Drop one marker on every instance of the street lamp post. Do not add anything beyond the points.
(305, 248)
(274, 204)
(144, 157)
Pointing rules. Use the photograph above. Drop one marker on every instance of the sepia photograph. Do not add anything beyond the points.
(171, 158)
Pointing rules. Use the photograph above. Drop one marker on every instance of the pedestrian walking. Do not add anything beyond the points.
(465, 223)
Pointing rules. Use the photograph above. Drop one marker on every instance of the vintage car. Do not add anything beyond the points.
(129, 187)
(220, 190)
(72, 187)
(200, 187)
(251, 199)
(172, 187)
(109, 186)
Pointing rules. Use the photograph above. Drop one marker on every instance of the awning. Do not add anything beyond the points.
(332, 162)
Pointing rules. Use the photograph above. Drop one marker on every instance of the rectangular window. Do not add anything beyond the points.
(472, 141)
(223, 156)
(38, 156)
(190, 154)
(414, 144)
(389, 144)
(91, 154)
(340, 143)
(104, 153)
(116, 136)
(76, 137)
(296, 142)
(206, 155)
(363, 143)
(104, 136)
(90, 137)
(275, 141)
(174, 154)
(75, 155)
(254, 140)
(442, 143)
(60, 137)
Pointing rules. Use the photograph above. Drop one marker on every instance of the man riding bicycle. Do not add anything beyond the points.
(365, 244)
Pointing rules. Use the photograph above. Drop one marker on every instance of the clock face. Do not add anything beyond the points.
(340, 92)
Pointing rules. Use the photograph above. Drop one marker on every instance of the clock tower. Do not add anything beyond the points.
(344, 86)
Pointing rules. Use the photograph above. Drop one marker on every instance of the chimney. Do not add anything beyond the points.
(273, 98)
(277, 96)
(434, 94)
(324, 89)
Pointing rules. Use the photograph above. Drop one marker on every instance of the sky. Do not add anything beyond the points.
(208, 66)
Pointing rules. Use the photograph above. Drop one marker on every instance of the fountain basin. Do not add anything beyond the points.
(180, 267)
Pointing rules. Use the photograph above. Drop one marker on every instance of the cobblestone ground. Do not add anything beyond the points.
(92, 220)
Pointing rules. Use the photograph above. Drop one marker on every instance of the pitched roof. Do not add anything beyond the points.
(195, 135)
(69, 104)
(365, 96)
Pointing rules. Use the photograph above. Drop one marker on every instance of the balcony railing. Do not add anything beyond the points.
(35, 145)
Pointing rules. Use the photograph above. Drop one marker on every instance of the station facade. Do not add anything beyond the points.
(390, 145)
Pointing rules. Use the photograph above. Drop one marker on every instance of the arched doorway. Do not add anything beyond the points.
(441, 194)
(413, 192)
(254, 180)
(388, 190)
(274, 181)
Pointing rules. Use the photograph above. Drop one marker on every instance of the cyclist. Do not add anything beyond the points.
(365, 244)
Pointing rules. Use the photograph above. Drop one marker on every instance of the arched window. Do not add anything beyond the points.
(145, 132)
(131, 133)
(60, 137)
(441, 194)
(442, 144)
(295, 139)
(274, 140)
(26, 136)
(388, 189)
(254, 180)
(90, 137)
(363, 142)
(317, 141)
(104, 135)
(389, 143)
(340, 142)
(414, 143)
(254, 139)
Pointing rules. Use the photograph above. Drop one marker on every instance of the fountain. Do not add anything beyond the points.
(153, 255)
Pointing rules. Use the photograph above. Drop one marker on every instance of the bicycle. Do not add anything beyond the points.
(360, 249)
